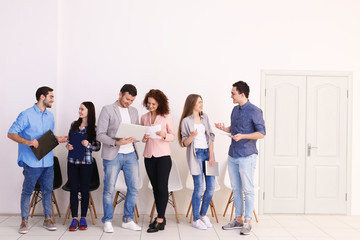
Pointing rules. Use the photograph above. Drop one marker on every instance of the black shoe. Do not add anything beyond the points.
(156, 227)
(151, 225)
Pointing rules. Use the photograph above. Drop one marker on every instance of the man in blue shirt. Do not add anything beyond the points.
(29, 126)
(247, 125)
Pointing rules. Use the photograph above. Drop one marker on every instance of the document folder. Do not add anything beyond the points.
(47, 142)
(79, 150)
(211, 171)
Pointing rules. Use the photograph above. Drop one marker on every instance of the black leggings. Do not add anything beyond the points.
(79, 176)
(158, 170)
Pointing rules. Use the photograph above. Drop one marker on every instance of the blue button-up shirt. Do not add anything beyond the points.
(245, 119)
(32, 124)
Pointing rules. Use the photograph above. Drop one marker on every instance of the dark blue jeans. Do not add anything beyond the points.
(202, 155)
(46, 180)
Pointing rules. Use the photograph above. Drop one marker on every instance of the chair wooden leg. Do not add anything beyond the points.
(56, 205)
(152, 212)
(115, 200)
(228, 203)
(91, 212)
(67, 214)
(176, 212)
(213, 207)
(137, 211)
(212, 211)
(52, 213)
(135, 216)
(187, 214)
(93, 205)
(232, 211)
(191, 216)
(32, 202)
(36, 197)
(256, 218)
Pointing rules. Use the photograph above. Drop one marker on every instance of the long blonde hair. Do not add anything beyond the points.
(189, 105)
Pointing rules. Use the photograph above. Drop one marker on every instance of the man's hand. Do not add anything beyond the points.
(237, 137)
(62, 139)
(124, 141)
(33, 143)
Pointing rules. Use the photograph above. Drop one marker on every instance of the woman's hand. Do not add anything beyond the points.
(85, 143)
(194, 133)
(161, 134)
(69, 146)
(146, 137)
(211, 161)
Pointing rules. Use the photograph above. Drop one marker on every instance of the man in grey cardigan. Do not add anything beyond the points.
(119, 155)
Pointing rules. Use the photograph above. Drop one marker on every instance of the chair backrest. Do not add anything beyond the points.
(175, 183)
(227, 182)
(57, 174)
(121, 185)
(95, 179)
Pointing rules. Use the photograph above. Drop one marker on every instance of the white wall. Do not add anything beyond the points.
(180, 47)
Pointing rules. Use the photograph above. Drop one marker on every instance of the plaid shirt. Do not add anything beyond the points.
(94, 146)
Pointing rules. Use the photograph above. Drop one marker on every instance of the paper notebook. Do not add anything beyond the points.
(212, 171)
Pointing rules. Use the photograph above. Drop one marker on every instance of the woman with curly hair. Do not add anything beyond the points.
(157, 151)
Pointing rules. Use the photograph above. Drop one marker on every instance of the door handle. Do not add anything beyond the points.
(309, 147)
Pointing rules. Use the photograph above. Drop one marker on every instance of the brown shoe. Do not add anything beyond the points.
(48, 224)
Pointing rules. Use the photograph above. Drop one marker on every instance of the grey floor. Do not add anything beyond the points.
(274, 227)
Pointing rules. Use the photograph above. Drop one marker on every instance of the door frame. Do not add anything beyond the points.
(262, 146)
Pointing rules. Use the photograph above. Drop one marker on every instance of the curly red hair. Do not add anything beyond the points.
(160, 98)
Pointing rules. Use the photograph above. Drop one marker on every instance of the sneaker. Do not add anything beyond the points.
(245, 230)
(206, 221)
(233, 225)
(131, 225)
(108, 228)
(48, 224)
(83, 224)
(74, 225)
(24, 227)
(199, 225)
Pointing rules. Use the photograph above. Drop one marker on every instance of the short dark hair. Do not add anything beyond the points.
(131, 89)
(43, 91)
(160, 98)
(242, 87)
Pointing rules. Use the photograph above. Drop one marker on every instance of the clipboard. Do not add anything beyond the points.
(79, 150)
(211, 171)
(127, 130)
(47, 142)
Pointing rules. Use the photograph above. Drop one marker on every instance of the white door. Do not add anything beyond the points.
(326, 135)
(305, 145)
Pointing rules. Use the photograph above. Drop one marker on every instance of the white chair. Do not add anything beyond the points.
(173, 186)
(121, 189)
(227, 184)
(190, 186)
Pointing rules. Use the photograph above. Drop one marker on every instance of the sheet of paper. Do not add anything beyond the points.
(152, 131)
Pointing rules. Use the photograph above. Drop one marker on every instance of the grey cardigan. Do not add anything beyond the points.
(108, 124)
(187, 126)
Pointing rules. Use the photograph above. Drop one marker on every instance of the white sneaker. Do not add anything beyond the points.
(131, 225)
(206, 221)
(199, 225)
(108, 228)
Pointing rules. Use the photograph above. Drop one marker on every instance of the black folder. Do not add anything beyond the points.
(47, 142)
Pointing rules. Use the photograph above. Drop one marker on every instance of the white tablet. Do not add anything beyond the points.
(127, 130)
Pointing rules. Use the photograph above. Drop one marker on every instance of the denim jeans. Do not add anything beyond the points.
(46, 179)
(130, 165)
(202, 155)
(241, 173)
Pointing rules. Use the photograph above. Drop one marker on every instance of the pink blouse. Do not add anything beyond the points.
(159, 147)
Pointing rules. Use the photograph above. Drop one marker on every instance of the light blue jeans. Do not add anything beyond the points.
(130, 165)
(241, 172)
(202, 155)
(46, 179)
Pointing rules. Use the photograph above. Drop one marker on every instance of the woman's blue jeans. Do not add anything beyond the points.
(202, 155)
